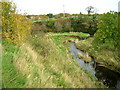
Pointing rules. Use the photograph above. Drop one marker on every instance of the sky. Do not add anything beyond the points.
(38, 7)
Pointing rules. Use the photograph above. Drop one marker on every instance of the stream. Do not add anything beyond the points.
(109, 78)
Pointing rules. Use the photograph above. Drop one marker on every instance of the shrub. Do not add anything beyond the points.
(108, 32)
(15, 28)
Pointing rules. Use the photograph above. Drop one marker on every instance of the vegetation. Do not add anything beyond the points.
(81, 23)
(61, 39)
(15, 28)
(107, 33)
(11, 78)
(107, 36)
(80, 34)
(90, 9)
(85, 24)
(42, 64)
(36, 55)
(38, 62)
(104, 57)
(50, 15)
(104, 47)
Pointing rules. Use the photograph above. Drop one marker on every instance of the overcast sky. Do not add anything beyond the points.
(71, 6)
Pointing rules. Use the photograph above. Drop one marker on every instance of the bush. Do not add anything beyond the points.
(15, 28)
(108, 32)
(50, 24)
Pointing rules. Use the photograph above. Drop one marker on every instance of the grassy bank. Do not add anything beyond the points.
(106, 57)
(80, 34)
(40, 63)
(60, 41)
(11, 78)
(60, 68)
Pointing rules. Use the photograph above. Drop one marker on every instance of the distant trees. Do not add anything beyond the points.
(62, 15)
(84, 24)
(80, 23)
(50, 15)
(80, 13)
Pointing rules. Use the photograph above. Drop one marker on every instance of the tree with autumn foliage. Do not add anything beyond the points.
(15, 27)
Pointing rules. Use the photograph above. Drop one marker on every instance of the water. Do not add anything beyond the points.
(110, 78)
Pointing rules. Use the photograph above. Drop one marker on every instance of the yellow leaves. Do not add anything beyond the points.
(6, 34)
(15, 27)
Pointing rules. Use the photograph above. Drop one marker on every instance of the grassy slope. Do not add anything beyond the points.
(61, 70)
(105, 57)
(59, 40)
(40, 63)
(11, 78)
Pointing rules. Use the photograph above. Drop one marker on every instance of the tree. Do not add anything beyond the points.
(108, 33)
(80, 13)
(50, 15)
(90, 9)
(15, 28)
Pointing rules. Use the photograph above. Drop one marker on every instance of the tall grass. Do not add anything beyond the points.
(11, 78)
(42, 62)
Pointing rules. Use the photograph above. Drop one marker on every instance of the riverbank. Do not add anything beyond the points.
(63, 43)
(103, 57)
(42, 62)
(108, 77)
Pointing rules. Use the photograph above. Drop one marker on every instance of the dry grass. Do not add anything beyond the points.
(85, 57)
(52, 70)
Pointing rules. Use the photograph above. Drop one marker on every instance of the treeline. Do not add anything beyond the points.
(81, 23)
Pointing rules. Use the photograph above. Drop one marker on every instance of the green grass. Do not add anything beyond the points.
(11, 78)
(59, 38)
(53, 19)
(80, 34)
